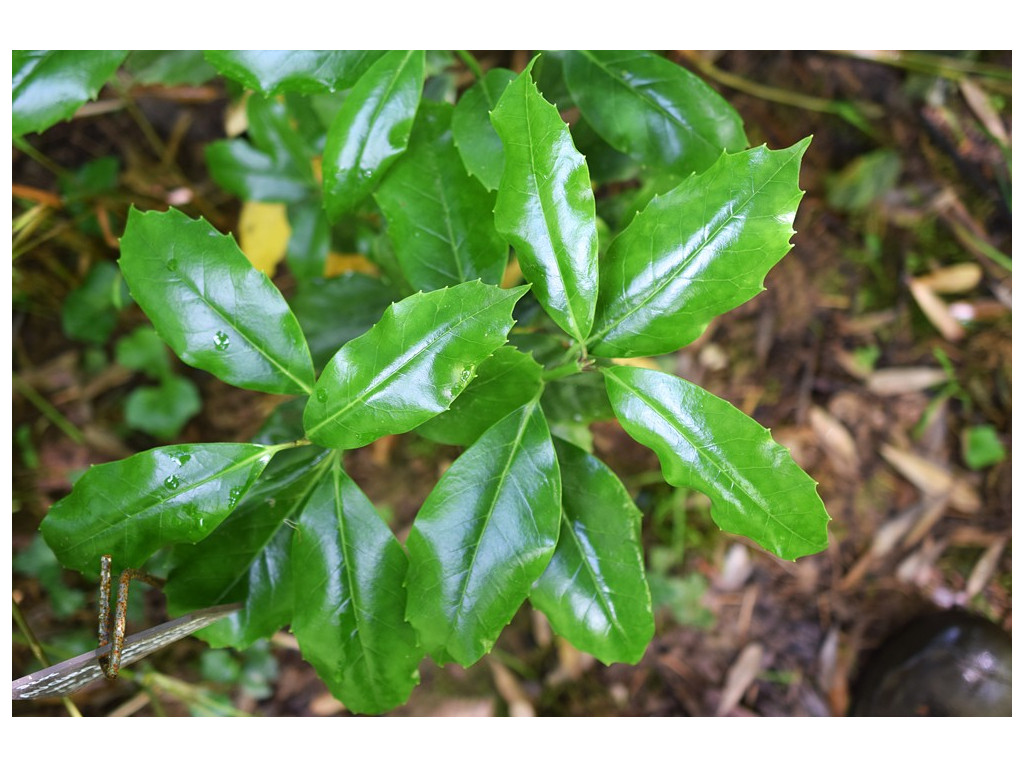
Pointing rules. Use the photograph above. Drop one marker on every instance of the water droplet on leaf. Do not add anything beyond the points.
(321, 395)
(221, 340)
(172, 265)
(171, 482)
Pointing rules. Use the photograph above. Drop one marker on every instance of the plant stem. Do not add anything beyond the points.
(856, 114)
(44, 407)
(152, 137)
(932, 64)
(189, 694)
(470, 61)
(562, 371)
(22, 143)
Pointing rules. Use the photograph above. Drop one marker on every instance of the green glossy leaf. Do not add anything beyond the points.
(477, 141)
(313, 115)
(131, 508)
(170, 67)
(162, 411)
(605, 163)
(696, 252)
(310, 241)
(301, 71)
(348, 574)
(704, 443)
(275, 167)
(483, 536)
(272, 129)
(579, 399)
(371, 130)
(410, 366)
(211, 306)
(594, 591)
(652, 109)
(505, 381)
(248, 558)
(89, 313)
(573, 403)
(439, 219)
(240, 168)
(545, 206)
(334, 310)
(50, 86)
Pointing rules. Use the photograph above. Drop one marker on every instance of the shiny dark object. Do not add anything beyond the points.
(950, 664)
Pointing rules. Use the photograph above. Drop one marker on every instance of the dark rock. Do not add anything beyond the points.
(950, 664)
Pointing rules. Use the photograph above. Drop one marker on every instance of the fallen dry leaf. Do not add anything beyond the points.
(508, 687)
(901, 381)
(984, 568)
(980, 104)
(836, 441)
(741, 674)
(936, 311)
(958, 278)
(932, 479)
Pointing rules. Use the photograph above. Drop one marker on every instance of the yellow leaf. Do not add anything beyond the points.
(342, 263)
(263, 233)
(638, 362)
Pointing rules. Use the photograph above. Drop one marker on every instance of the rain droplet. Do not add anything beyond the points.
(321, 395)
(190, 513)
(466, 375)
(172, 265)
(234, 495)
(367, 173)
(171, 482)
(221, 340)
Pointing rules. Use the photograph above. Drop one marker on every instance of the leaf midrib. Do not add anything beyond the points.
(241, 331)
(667, 417)
(131, 517)
(662, 285)
(313, 479)
(379, 106)
(645, 97)
(552, 231)
(395, 369)
(515, 448)
(600, 584)
(348, 567)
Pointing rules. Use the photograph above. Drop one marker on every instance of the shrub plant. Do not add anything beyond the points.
(377, 153)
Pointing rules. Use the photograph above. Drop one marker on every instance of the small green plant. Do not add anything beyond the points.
(376, 153)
